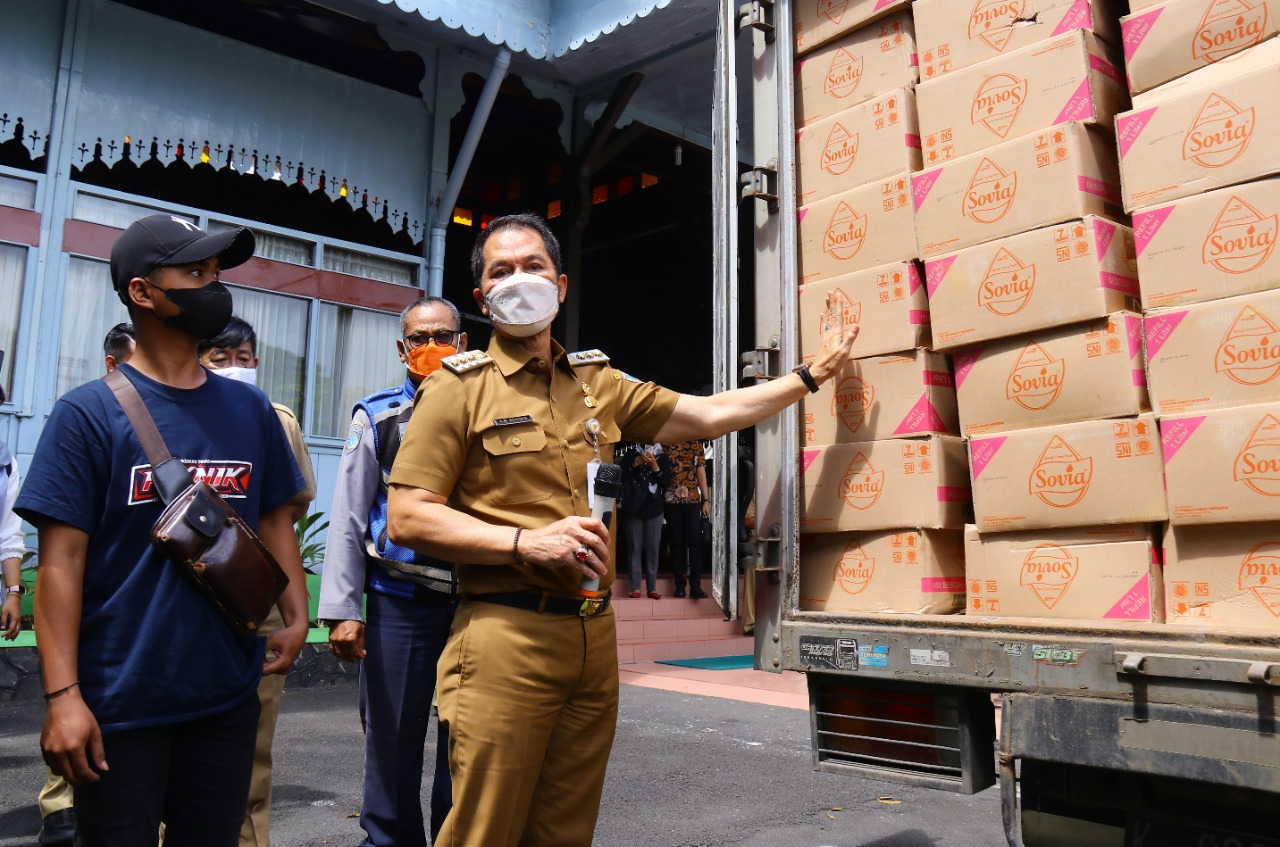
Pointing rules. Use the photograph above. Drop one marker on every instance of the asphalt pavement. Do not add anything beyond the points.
(687, 770)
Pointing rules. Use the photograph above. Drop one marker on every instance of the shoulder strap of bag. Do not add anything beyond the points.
(168, 474)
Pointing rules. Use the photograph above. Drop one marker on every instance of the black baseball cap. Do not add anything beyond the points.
(170, 240)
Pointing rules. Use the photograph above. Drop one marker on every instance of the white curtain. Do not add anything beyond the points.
(116, 213)
(281, 325)
(269, 245)
(90, 307)
(19, 193)
(369, 267)
(13, 269)
(355, 356)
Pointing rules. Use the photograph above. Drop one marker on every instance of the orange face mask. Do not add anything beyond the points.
(425, 360)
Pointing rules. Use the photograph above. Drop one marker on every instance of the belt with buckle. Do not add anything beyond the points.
(539, 601)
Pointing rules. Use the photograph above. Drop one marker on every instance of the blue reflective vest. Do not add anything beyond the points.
(400, 571)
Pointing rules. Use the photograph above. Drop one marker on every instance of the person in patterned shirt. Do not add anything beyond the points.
(687, 504)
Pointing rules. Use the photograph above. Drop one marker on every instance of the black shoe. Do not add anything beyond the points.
(698, 594)
(678, 593)
(59, 828)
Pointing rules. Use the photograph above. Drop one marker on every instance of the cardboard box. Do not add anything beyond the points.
(871, 141)
(888, 303)
(1223, 466)
(919, 482)
(911, 571)
(1214, 355)
(1264, 55)
(1200, 139)
(816, 22)
(1079, 474)
(882, 397)
(1047, 277)
(1083, 574)
(1223, 576)
(863, 64)
(1213, 245)
(863, 228)
(1174, 37)
(1067, 78)
(954, 34)
(1037, 180)
(1080, 372)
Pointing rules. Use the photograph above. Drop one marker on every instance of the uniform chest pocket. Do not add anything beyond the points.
(514, 454)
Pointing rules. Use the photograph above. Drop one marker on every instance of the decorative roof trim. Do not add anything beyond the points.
(531, 27)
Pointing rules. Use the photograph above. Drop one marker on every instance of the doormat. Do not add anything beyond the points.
(714, 663)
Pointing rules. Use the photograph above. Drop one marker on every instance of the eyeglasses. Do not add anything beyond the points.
(442, 338)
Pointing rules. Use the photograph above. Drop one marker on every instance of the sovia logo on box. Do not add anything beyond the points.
(845, 234)
(997, 102)
(854, 570)
(1241, 238)
(1219, 134)
(992, 21)
(1260, 574)
(844, 74)
(1036, 379)
(1007, 285)
(1061, 476)
(1049, 571)
(840, 151)
(862, 483)
(1227, 27)
(852, 400)
(1250, 352)
(990, 193)
(1257, 464)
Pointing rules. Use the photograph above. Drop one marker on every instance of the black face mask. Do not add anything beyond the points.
(202, 312)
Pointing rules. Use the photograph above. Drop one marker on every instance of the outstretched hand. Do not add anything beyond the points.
(838, 335)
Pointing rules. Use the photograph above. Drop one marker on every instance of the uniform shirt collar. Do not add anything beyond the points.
(511, 356)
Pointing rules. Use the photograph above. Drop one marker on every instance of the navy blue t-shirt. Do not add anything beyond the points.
(153, 650)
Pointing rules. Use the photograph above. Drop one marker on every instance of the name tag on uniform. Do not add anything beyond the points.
(519, 419)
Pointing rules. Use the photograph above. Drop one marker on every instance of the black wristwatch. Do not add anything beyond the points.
(802, 370)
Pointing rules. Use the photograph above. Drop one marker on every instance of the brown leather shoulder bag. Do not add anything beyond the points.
(200, 533)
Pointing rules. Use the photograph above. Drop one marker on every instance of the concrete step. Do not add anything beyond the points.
(684, 629)
(656, 651)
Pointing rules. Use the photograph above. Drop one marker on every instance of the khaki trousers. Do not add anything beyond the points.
(255, 831)
(56, 795)
(531, 704)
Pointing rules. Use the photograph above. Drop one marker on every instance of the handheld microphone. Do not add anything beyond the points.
(608, 487)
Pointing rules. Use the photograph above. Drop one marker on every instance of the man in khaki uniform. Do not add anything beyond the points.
(493, 474)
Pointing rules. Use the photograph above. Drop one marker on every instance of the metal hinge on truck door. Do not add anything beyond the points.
(758, 14)
(763, 363)
(760, 183)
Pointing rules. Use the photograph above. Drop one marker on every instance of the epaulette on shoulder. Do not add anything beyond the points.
(588, 357)
(460, 363)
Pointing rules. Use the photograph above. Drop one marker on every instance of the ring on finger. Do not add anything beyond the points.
(582, 553)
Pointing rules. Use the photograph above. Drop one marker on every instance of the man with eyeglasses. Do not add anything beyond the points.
(410, 596)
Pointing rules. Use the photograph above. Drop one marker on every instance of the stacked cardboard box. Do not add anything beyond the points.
(1198, 169)
(883, 471)
(1033, 288)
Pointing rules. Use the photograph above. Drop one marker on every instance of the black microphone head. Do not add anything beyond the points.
(609, 481)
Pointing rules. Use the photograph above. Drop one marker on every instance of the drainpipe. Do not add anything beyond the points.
(444, 212)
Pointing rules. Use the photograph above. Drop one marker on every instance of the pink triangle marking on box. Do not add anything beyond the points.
(807, 458)
(880, 4)
(1175, 433)
(1079, 105)
(964, 362)
(1079, 16)
(922, 418)
(1130, 126)
(922, 184)
(1146, 225)
(1159, 329)
(800, 213)
(1134, 31)
(935, 270)
(1136, 604)
(1103, 232)
(913, 278)
(1133, 331)
(983, 450)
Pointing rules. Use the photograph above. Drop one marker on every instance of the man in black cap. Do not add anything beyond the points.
(152, 704)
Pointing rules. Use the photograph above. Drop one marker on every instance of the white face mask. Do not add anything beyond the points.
(249, 375)
(523, 304)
